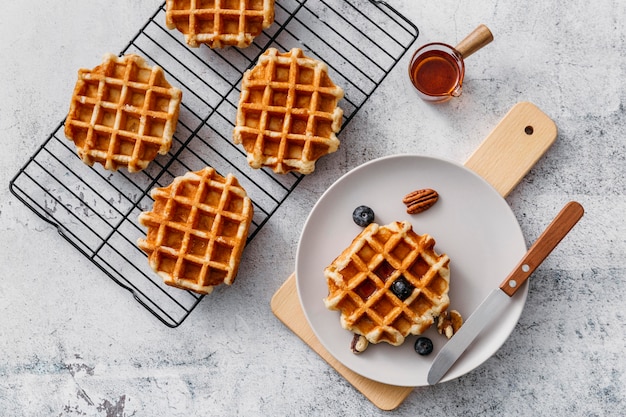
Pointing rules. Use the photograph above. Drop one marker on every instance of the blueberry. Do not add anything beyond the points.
(401, 288)
(424, 346)
(363, 215)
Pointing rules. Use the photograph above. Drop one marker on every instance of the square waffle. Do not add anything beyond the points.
(361, 280)
(219, 23)
(288, 115)
(197, 229)
(122, 113)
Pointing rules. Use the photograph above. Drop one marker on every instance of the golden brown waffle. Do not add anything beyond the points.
(219, 23)
(288, 114)
(123, 113)
(197, 230)
(360, 283)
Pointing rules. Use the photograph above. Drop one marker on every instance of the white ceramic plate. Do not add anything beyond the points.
(471, 223)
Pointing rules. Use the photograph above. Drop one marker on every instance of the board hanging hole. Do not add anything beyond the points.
(529, 130)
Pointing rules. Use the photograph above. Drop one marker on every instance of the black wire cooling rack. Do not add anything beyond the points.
(96, 210)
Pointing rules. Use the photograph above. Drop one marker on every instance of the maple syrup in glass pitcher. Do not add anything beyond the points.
(437, 69)
(437, 72)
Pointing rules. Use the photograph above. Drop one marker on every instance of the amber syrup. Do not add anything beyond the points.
(435, 73)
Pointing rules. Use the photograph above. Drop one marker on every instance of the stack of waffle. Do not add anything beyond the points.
(219, 23)
(363, 283)
(197, 229)
(287, 116)
(122, 113)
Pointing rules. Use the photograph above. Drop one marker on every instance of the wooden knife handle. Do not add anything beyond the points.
(549, 239)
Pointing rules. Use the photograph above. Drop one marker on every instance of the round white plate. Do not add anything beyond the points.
(471, 223)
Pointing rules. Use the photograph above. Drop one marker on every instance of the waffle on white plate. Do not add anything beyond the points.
(123, 113)
(197, 230)
(219, 23)
(389, 283)
(288, 113)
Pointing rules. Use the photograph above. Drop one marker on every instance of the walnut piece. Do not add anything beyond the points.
(359, 344)
(449, 323)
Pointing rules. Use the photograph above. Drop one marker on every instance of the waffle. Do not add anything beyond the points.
(197, 230)
(219, 23)
(287, 115)
(122, 113)
(360, 281)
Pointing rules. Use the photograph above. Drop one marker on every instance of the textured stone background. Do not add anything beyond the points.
(73, 343)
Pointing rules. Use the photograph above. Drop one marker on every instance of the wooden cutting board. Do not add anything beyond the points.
(503, 159)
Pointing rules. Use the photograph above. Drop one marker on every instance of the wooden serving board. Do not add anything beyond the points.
(503, 159)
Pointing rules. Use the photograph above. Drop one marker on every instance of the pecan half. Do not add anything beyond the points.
(420, 200)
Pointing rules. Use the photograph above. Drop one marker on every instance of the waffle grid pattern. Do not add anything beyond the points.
(219, 23)
(197, 230)
(97, 211)
(360, 278)
(287, 115)
(122, 113)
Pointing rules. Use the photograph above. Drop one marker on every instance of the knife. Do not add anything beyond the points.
(497, 301)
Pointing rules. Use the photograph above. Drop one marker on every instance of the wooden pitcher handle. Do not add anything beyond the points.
(479, 37)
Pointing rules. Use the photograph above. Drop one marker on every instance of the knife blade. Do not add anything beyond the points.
(499, 298)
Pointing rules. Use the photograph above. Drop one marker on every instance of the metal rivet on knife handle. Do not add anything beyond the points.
(554, 233)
